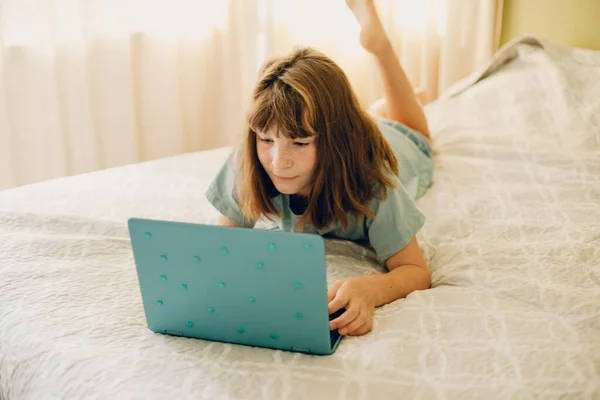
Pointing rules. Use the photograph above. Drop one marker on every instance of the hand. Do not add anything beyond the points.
(357, 297)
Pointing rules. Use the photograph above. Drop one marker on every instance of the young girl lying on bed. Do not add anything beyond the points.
(314, 161)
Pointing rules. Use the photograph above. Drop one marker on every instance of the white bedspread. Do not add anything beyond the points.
(512, 239)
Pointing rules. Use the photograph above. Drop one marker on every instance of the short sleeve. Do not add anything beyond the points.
(221, 194)
(397, 220)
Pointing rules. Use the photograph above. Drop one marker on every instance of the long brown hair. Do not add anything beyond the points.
(308, 94)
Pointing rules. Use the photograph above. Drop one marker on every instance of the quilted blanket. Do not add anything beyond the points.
(512, 239)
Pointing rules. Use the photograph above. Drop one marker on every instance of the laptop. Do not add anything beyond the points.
(236, 285)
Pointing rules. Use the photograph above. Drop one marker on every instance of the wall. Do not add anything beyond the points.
(569, 22)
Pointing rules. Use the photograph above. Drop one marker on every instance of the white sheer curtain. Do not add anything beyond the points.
(91, 84)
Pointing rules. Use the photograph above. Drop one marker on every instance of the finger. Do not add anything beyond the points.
(353, 325)
(333, 290)
(339, 301)
(362, 330)
(347, 317)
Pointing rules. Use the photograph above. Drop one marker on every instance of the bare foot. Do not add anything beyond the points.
(372, 35)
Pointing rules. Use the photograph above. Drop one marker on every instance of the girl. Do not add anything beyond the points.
(314, 161)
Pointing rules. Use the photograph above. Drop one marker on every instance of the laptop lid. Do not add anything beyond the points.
(245, 286)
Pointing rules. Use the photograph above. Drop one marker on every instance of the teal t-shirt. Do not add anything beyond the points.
(397, 218)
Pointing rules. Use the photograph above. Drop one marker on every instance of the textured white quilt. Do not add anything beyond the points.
(512, 239)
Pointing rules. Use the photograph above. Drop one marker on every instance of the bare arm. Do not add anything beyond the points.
(360, 296)
(407, 272)
(224, 221)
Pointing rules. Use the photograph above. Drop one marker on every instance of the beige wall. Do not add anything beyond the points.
(570, 22)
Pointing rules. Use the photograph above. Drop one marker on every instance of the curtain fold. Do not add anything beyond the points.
(92, 84)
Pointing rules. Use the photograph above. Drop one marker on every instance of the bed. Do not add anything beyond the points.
(512, 239)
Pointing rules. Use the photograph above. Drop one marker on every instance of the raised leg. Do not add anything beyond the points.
(401, 103)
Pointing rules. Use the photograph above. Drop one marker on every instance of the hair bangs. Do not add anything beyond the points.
(282, 107)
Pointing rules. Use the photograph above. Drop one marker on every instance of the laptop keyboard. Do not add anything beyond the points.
(336, 314)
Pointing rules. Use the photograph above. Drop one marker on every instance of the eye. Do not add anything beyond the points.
(301, 144)
(264, 140)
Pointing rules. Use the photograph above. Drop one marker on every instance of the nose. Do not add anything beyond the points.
(281, 158)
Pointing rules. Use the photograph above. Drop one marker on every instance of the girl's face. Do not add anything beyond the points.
(290, 163)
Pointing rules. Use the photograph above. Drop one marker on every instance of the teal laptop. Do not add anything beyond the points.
(245, 286)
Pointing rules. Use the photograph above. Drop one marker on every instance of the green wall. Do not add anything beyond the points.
(569, 22)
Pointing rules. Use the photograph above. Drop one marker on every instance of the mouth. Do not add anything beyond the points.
(284, 178)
